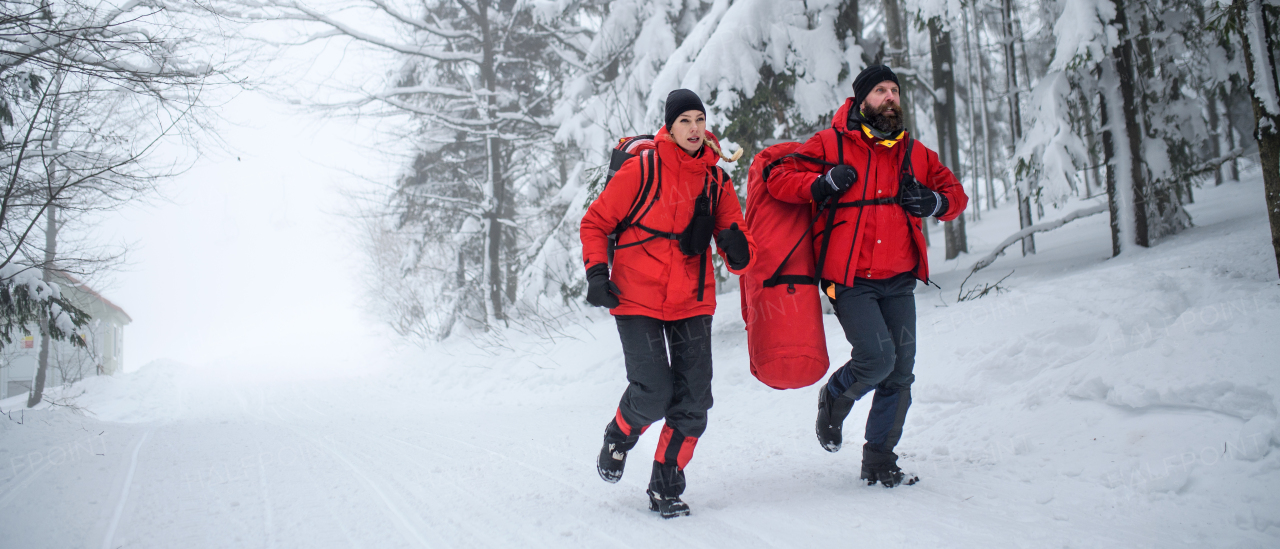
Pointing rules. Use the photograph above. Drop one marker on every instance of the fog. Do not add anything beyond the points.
(250, 261)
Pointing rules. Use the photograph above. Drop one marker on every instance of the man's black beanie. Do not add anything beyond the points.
(680, 101)
(867, 80)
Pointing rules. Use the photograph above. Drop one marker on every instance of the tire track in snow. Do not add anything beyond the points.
(405, 525)
(613, 541)
(476, 505)
(268, 517)
(22, 484)
(613, 506)
(321, 497)
(124, 494)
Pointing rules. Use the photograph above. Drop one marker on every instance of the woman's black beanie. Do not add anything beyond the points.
(680, 101)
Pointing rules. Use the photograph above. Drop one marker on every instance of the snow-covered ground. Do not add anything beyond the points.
(1099, 402)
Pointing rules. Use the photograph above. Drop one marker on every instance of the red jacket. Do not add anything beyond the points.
(656, 279)
(878, 167)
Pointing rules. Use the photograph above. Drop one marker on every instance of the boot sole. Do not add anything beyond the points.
(654, 507)
(608, 476)
(830, 448)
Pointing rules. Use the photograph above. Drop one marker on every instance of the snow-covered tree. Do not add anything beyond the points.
(88, 92)
(1257, 23)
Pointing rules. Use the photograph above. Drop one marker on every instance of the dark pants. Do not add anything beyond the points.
(879, 320)
(677, 389)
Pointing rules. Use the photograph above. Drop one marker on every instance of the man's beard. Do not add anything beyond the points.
(890, 125)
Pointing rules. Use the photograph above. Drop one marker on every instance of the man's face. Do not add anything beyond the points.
(882, 109)
(883, 100)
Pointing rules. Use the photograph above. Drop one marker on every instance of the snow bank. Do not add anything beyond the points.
(151, 393)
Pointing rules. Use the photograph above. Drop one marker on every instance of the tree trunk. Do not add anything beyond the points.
(1233, 167)
(849, 25)
(1262, 75)
(970, 118)
(895, 32)
(493, 150)
(1015, 118)
(50, 257)
(1124, 63)
(983, 82)
(1108, 158)
(1215, 141)
(1091, 138)
(50, 254)
(945, 118)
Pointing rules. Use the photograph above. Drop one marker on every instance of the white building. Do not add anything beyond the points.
(103, 352)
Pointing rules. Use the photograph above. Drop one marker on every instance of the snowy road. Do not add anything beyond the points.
(1127, 403)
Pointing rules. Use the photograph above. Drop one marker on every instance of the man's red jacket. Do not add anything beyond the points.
(877, 241)
(656, 279)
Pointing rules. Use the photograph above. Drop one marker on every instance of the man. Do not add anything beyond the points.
(871, 252)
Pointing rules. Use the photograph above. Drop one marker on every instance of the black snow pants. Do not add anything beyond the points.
(879, 320)
(677, 388)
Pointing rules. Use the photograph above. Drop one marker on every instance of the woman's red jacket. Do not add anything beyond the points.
(656, 279)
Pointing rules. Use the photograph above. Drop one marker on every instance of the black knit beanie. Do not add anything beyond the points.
(867, 80)
(680, 101)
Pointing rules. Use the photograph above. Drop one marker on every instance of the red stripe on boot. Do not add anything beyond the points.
(686, 451)
(660, 455)
(622, 423)
(626, 427)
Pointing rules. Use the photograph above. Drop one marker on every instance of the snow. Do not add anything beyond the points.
(1099, 402)
(1050, 151)
(1264, 85)
(1082, 32)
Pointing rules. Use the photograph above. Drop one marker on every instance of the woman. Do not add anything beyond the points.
(662, 289)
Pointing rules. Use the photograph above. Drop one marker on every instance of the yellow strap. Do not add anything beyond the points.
(886, 142)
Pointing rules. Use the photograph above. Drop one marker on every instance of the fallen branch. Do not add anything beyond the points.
(978, 293)
(1210, 165)
(1039, 228)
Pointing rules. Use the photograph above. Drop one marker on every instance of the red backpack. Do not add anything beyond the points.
(781, 303)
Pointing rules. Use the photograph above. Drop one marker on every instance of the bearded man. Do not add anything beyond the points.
(872, 185)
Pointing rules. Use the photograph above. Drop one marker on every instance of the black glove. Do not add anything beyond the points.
(835, 182)
(734, 243)
(601, 291)
(919, 200)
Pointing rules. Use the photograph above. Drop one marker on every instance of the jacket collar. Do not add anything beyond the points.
(841, 122)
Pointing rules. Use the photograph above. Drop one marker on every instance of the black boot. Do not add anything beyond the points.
(831, 414)
(613, 454)
(611, 462)
(665, 486)
(882, 465)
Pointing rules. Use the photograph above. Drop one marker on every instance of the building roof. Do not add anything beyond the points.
(75, 282)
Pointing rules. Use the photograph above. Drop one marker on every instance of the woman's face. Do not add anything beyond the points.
(689, 129)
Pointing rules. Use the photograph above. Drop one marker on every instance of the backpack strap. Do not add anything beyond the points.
(713, 195)
(791, 280)
(651, 184)
(831, 214)
(769, 168)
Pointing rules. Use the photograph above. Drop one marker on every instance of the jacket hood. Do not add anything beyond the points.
(841, 120)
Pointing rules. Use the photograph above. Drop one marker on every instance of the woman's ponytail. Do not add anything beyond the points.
(716, 148)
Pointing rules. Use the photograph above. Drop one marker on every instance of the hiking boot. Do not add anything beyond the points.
(611, 462)
(665, 486)
(881, 466)
(668, 507)
(831, 414)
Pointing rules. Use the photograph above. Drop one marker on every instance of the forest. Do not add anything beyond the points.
(509, 108)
